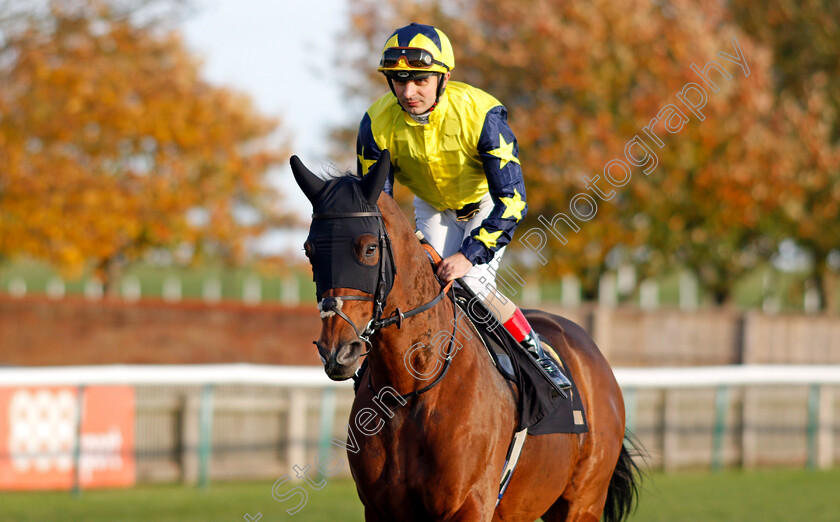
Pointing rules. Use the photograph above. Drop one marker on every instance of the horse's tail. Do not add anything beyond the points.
(623, 494)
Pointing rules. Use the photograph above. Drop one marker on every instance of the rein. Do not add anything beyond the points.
(402, 399)
(332, 304)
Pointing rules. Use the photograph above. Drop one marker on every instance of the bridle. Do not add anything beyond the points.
(332, 303)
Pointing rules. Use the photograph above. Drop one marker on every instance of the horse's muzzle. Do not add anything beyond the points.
(342, 362)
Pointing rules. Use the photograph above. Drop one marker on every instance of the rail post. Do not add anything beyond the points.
(630, 402)
(326, 423)
(77, 445)
(719, 433)
(205, 437)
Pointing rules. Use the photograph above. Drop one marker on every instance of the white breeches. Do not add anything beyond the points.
(446, 234)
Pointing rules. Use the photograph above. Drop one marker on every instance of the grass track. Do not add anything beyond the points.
(766, 496)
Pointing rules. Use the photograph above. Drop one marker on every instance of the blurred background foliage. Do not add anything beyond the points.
(581, 79)
(112, 145)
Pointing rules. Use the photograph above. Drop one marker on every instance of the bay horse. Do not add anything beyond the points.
(438, 450)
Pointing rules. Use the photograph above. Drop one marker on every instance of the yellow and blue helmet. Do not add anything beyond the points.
(416, 50)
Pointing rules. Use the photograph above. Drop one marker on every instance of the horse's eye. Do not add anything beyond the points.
(307, 249)
(366, 250)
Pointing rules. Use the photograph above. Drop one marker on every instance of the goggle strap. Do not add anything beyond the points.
(401, 55)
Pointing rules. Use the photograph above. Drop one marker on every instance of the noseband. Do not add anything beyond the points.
(333, 304)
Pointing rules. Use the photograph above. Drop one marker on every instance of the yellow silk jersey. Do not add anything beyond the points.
(465, 151)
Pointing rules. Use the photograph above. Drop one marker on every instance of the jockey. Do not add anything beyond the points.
(451, 146)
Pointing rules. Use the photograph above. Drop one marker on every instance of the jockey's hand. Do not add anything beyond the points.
(453, 267)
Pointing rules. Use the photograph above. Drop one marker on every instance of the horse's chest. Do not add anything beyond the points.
(406, 448)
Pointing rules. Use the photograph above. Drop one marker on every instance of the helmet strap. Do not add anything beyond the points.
(439, 91)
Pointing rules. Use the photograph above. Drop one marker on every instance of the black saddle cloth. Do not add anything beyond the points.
(541, 410)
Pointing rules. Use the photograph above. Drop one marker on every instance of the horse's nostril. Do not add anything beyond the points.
(322, 352)
(348, 353)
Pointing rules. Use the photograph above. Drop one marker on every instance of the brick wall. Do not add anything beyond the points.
(73, 331)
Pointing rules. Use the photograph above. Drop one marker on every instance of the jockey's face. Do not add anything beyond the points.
(418, 96)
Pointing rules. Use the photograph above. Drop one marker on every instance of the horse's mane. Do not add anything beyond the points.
(331, 172)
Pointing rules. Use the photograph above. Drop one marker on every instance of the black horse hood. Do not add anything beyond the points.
(332, 236)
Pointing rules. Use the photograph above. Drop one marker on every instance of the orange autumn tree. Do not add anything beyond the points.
(580, 80)
(805, 41)
(811, 208)
(112, 144)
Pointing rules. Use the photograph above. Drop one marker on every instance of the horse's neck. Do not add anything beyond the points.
(411, 357)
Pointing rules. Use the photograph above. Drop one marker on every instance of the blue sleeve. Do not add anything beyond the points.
(368, 151)
(499, 153)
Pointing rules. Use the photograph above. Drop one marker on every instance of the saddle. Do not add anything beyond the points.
(541, 411)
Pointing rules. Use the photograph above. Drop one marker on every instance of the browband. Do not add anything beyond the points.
(346, 215)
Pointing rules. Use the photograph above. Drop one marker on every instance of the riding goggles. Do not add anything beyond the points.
(414, 57)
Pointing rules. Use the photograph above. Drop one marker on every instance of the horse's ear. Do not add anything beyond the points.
(308, 182)
(373, 182)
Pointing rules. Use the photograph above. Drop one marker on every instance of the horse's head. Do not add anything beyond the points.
(352, 263)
